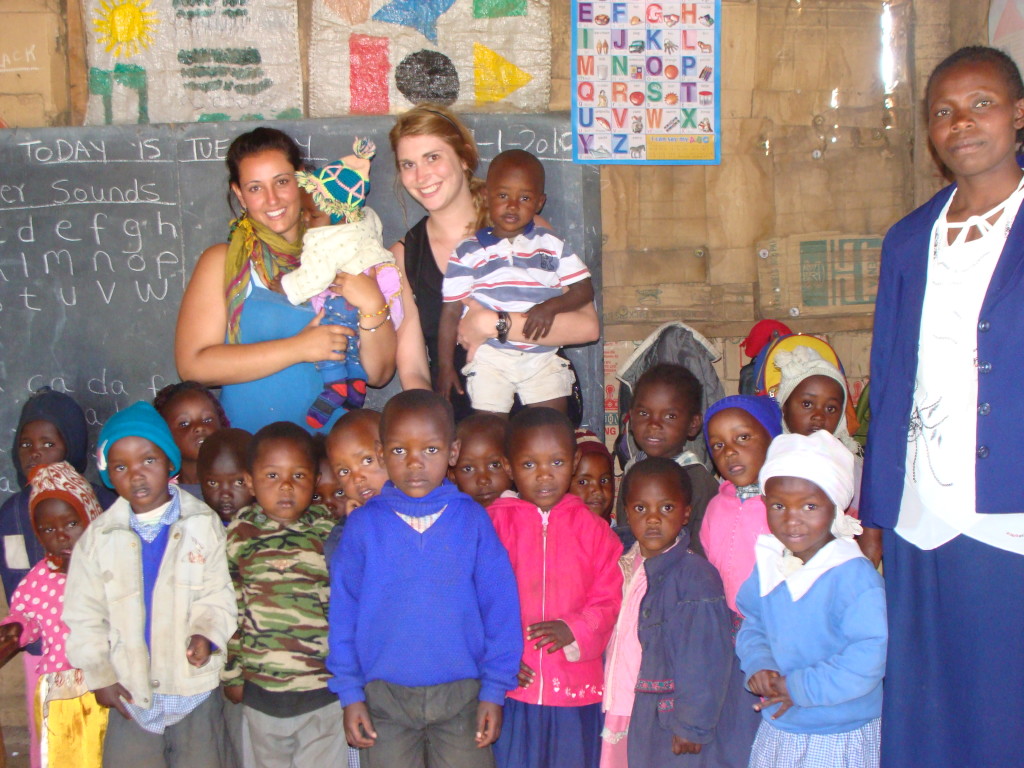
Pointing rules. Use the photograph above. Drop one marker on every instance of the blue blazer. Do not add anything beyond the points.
(894, 347)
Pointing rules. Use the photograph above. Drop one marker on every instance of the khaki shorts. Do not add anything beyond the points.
(495, 376)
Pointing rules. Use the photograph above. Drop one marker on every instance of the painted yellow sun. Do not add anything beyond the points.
(124, 26)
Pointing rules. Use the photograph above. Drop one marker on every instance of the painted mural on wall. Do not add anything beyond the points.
(383, 56)
(156, 61)
(646, 82)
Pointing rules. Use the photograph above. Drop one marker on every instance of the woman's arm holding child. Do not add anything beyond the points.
(447, 376)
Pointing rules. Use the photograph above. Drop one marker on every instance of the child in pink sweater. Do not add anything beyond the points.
(738, 430)
(570, 588)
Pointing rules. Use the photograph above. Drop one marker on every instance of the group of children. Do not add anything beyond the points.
(407, 591)
(442, 594)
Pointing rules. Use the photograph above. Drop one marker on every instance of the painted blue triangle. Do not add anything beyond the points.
(421, 15)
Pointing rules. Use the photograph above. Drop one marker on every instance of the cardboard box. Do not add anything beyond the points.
(33, 76)
(827, 273)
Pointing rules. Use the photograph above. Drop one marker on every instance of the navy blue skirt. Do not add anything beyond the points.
(954, 683)
(535, 736)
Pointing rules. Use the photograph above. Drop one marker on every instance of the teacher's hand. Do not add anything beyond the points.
(360, 291)
(322, 342)
(476, 326)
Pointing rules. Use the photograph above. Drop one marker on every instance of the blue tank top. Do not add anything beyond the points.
(282, 396)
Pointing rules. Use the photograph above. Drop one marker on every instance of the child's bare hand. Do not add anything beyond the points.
(349, 505)
(198, 651)
(488, 723)
(684, 747)
(10, 631)
(358, 727)
(360, 291)
(233, 693)
(447, 379)
(763, 683)
(555, 634)
(526, 674)
(781, 697)
(539, 319)
(114, 697)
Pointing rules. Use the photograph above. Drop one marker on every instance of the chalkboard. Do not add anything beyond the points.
(100, 228)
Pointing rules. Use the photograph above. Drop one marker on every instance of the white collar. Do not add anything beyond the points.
(771, 559)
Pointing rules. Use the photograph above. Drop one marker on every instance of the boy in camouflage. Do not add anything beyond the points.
(276, 659)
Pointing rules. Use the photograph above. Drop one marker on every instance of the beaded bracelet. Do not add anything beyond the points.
(378, 325)
(380, 311)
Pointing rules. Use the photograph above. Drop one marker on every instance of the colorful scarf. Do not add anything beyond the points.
(251, 243)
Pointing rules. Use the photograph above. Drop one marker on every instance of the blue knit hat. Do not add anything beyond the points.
(137, 420)
(761, 407)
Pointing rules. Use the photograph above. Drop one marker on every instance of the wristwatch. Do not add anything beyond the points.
(503, 326)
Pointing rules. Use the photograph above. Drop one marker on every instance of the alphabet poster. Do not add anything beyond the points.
(646, 82)
(383, 56)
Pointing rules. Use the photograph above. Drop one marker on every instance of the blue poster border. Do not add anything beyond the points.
(717, 110)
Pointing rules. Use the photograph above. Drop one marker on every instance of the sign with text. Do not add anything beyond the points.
(646, 82)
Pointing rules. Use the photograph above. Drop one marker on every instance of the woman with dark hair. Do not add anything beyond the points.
(236, 331)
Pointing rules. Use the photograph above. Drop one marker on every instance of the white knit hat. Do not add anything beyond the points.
(821, 459)
(803, 362)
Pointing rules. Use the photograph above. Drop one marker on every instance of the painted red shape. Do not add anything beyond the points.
(369, 66)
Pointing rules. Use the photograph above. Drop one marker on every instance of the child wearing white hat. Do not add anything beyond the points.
(813, 642)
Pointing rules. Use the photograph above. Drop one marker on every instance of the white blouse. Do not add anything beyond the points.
(939, 500)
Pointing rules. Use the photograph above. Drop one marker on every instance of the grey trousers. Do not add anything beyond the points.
(313, 740)
(191, 743)
(425, 727)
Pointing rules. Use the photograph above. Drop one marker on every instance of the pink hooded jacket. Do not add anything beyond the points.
(566, 566)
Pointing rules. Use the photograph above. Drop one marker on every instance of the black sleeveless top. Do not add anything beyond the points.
(425, 280)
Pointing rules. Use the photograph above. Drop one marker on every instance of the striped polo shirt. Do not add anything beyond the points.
(512, 275)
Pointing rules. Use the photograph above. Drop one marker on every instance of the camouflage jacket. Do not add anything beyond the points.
(282, 588)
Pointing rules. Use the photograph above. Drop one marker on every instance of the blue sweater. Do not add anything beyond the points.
(830, 646)
(418, 609)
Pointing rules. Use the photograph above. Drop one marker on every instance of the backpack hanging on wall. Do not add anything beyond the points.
(678, 343)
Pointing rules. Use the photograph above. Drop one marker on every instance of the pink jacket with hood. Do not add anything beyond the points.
(566, 566)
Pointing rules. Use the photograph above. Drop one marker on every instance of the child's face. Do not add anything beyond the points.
(353, 455)
(800, 515)
(973, 119)
(282, 480)
(328, 491)
(816, 403)
(40, 443)
(661, 420)
(657, 510)
(481, 470)
(312, 215)
(58, 528)
(417, 451)
(224, 486)
(738, 444)
(595, 484)
(192, 418)
(139, 471)
(543, 461)
(514, 195)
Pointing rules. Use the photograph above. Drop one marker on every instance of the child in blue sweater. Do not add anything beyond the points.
(813, 642)
(424, 632)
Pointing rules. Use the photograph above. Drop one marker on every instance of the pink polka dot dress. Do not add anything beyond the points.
(37, 605)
